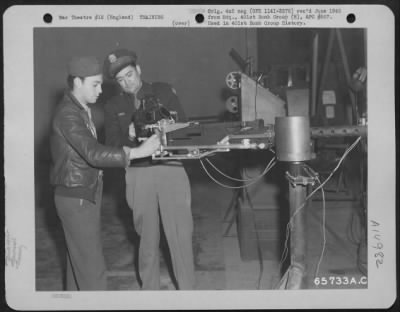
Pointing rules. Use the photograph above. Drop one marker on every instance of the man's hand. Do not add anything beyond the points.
(132, 131)
(147, 148)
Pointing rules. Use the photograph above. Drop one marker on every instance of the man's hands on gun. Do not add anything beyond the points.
(149, 146)
(132, 132)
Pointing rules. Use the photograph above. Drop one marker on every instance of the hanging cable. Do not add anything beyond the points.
(232, 178)
(288, 227)
(285, 248)
(227, 176)
(323, 229)
(255, 101)
(267, 168)
(328, 178)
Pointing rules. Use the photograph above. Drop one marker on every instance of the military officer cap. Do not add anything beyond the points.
(117, 60)
(84, 66)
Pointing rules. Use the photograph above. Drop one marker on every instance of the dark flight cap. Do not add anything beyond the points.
(84, 66)
(117, 60)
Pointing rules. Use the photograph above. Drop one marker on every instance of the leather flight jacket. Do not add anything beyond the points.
(76, 154)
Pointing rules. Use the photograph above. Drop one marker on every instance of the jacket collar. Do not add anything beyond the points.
(73, 99)
(145, 90)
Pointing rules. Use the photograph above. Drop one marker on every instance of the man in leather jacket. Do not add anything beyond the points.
(155, 191)
(76, 175)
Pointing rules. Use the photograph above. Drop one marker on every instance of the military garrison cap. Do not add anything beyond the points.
(84, 66)
(117, 60)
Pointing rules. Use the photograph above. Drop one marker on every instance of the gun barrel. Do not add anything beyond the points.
(338, 131)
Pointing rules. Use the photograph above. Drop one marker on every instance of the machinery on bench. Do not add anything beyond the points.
(193, 140)
(290, 138)
(265, 128)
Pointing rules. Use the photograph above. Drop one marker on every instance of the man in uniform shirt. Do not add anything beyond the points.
(154, 190)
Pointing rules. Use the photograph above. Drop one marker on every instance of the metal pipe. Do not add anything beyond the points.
(298, 244)
(314, 73)
(212, 146)
(338, 131)
(315, 132)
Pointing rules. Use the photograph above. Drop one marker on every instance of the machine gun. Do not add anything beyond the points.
(290, 137)
(194, 140)
(148, 116)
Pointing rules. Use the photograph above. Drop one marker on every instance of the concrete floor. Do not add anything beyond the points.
(218, 262)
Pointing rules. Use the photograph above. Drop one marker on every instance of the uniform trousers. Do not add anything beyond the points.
(80, 218)
(162, 192)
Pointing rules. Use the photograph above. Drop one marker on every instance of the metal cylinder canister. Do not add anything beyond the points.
(292, 138)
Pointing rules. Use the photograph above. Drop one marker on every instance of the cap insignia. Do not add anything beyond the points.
(112, 58)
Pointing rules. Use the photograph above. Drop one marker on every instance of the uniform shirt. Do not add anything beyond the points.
(119, 110)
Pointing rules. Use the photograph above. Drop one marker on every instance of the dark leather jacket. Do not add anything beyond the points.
(76, 154)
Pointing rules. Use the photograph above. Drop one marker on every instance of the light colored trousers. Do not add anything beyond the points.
(162, 191)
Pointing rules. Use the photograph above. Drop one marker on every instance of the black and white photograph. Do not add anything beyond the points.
(181, 160)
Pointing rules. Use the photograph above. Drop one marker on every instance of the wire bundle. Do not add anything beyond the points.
(247, 182)
(320, 187)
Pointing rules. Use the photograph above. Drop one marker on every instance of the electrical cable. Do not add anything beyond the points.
(328, 178)
(267, 168)
(288, 227)
(227, 176)
(270, 165)
(255, 101)
(285, 249)
(232, 178)
(323, 229)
